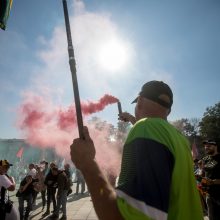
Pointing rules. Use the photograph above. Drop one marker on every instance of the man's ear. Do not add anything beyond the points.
(140, 102)
(140, 99)
(164, 98)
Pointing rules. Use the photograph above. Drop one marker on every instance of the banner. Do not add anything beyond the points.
(5, 7)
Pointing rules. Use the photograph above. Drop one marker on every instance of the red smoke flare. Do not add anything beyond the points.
(34, 115)
(68, 118)
(92, 107)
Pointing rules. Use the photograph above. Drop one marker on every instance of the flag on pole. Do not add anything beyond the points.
(20, 153)
(5, 7)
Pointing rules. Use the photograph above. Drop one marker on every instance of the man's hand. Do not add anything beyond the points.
(82, 151)
(11, 178)
(207, 182)
(29, 180)
(126, 117)
(210, 182)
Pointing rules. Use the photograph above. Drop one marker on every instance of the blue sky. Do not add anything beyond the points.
(174, 41)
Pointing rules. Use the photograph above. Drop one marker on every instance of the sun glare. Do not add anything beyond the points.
(113, 56)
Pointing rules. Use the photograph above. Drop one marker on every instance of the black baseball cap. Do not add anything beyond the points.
(210, 142)
(153, 90)
(5, 163)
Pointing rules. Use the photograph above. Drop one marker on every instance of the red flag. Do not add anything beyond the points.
(195, 153)
(20, 152)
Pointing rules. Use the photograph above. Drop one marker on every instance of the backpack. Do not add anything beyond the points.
(5, 207)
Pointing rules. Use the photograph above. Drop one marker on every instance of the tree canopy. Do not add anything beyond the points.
(189, 127)
(210, 123)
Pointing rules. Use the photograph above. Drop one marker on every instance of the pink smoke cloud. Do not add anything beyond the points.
(48, 126)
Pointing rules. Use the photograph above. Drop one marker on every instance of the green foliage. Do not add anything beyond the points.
(189, 127)
(114, 133)
(210, 123)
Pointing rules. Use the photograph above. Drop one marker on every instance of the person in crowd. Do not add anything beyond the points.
(8, 211)
(45, 166)
(200, 174)
(51, 183)
(32, 170)
(33, 173)
(156, 179)
(63, 187)
(67, 170)
(69, 176)
(25, 193)
(212, 178)
(41, 187)
(80, 181)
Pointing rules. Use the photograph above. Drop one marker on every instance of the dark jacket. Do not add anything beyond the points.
(62, 182)
(51, 180)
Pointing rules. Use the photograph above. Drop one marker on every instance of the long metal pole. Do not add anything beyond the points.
(72, 64)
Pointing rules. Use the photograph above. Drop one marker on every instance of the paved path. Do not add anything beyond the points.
(79, 207)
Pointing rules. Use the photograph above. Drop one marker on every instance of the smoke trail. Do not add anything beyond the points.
(67, 118)
(92, 107)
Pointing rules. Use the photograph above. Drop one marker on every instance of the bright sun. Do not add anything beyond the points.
(113, 55)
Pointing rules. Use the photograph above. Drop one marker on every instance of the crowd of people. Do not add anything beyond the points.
(51, 183)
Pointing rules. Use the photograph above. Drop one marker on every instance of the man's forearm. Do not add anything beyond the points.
(216, 181)
(24, 187)
(102, 193)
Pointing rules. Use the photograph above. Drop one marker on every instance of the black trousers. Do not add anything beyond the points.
(2, 213)
(43, 196)
(51, 196)
(213, 205)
